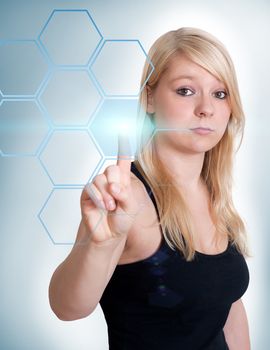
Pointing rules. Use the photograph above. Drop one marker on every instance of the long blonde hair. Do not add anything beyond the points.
(175, 219)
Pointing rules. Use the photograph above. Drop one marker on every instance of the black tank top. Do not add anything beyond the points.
(166, 303)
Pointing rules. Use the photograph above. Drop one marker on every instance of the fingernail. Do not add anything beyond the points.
(111, 204)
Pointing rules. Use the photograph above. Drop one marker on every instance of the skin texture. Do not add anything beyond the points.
(189, 103)
(201, 102)
(236, 328)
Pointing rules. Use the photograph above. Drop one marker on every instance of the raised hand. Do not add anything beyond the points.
(111, 194)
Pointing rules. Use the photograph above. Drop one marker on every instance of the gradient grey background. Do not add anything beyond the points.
(28, 256)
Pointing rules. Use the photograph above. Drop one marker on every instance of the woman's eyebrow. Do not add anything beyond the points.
(183, 77)
(191, 77)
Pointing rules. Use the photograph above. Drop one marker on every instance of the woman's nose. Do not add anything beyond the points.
(204, 107)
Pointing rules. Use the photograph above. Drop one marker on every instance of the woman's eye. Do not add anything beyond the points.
(183, 91)
(220, 96)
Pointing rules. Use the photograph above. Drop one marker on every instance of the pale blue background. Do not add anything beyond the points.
(28, 256)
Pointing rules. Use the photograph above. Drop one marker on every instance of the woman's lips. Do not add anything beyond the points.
(202, 131)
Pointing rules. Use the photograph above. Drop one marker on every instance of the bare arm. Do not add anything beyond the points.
(236, 328)
(79, 281)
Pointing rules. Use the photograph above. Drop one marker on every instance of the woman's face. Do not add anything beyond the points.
(199, 100)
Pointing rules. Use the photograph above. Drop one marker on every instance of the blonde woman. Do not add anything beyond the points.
(166, 260)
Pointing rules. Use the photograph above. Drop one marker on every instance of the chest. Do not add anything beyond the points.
(166, 281)
(205, 283)
(145, 236)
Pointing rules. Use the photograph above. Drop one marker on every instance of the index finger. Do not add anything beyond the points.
(124, 153)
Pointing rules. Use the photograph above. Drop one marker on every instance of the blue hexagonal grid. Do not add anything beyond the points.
(70, 98)
(23, 58)
(102, 75)
(62, 25)
(71, 58)
(23, 127)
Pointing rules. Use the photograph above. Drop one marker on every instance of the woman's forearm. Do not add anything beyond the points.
(78, 282)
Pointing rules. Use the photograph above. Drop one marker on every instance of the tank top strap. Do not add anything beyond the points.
(147, 187)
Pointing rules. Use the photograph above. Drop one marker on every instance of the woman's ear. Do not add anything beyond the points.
(150, 100)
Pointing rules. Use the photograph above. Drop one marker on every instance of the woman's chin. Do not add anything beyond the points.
(196, 148)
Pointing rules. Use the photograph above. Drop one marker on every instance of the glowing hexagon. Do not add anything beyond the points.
(113, 117)
(22, 127)
(70, 157)
(22, 68)
(70, 97)
(70, 37)
(118, 66)
(61, 214)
